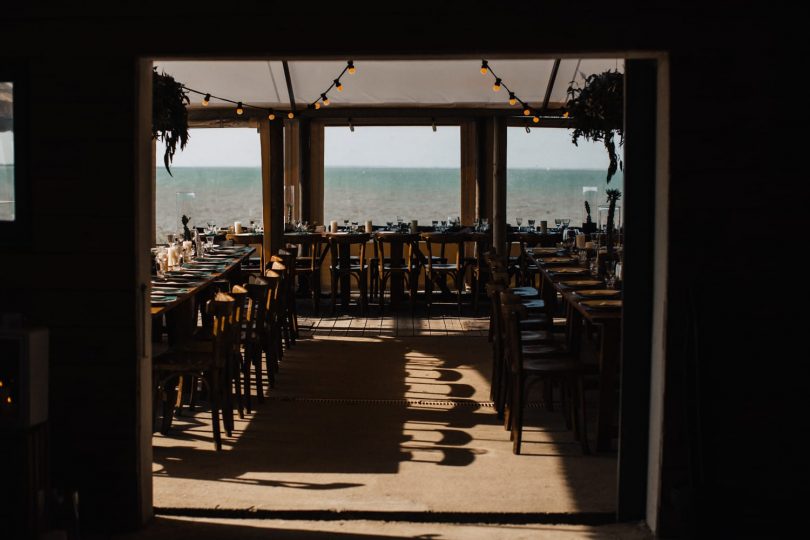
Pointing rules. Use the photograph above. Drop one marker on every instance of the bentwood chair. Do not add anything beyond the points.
(396, 260)
(529, 365)
(284, 313)
(308, 264)
(343, 267)
(206, 360)
(273, 334)
(253, 334)
(436, 273)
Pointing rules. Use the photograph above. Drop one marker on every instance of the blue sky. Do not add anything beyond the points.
(394, 147)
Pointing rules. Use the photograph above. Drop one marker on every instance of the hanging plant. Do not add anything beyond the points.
(597, 113)
(169, 114)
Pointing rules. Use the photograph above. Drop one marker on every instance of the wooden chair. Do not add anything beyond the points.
(206, 360)
(392, 263)
(285, 319)
(253, 335)
(308, 265)
(273, 335)
(528, 367)
(342, 267)
(436, 273)
(289, 256)
(479, 274)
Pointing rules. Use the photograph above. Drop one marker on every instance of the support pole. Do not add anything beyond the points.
(272, 148)
(498, 128)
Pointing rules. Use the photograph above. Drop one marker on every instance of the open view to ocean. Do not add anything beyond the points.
(227, 194)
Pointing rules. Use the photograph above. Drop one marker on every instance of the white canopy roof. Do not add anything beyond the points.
(395, 83)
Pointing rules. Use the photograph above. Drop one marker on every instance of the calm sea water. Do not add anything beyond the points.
(224, 195)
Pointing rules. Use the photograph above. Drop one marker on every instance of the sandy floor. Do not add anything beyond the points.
(337, 434)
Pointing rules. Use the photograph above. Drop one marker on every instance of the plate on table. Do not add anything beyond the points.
(163, 299)
(599, 293)
(569, 270)
(556, 260)
(175, 283)
(574, 283)
(159, 289)
(602, 304)
(545, 250)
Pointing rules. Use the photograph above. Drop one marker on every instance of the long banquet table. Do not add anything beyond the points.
(565, 279)
(193, 279)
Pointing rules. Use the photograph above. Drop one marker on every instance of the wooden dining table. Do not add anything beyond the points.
(559, 276)
(193, 279)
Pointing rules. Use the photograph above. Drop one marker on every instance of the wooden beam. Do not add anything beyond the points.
(550, 86)
(290, 92)
(272, 149)
(224, 116)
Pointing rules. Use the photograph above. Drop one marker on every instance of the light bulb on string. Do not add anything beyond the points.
(536, 119)
(325, 100)
(497, 85)
(317, 105)
(512, 98)
(271, 115)
(290, 115)
(527, 111)
(566, 114)
(484, 67)
(239, 109)
(206, 99)
(351, 69)
(338, 85)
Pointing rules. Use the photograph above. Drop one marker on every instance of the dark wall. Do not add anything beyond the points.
(733, 182)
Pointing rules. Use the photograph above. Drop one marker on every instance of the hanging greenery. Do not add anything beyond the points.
(169, 114)
(597, 113)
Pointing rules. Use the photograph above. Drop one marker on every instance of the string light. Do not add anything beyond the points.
(350, 67)
(271, 115)
(239, 109)
(513, 98)
(317, 105)
(206, 99)
(290, 115)
(566, 114)
(338, 85)
(325, 100)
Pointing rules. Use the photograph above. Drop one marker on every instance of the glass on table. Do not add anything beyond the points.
(531, 225)
(435, 224)
(558, 223)
(355, 226)
(389, 224)
(566, 222)
(485, 224)
(519, 222)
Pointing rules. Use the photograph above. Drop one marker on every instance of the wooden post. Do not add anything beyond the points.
(315, 191)
(292, 165)
(484, 155)
(469, 173)
(272, 148)
(498, 129)
(305, 165)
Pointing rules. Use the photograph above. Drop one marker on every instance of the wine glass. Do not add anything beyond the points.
(354, 226)
(345, 224)
(485, 224)
(435, 224)
(610, 274)
(566, 222)
(531, 225)
(443, 226)
(558, 223)
(399, 221)
(390, 224)
(519, 222)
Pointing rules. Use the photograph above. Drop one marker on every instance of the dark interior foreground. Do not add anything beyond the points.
(725, 463)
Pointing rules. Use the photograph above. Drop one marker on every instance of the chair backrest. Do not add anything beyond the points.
(258, 290)
(309, 248)
(221, 309)
(340, 247)
(442, 240)
(405, 239)
(511, 314)
(241, 309)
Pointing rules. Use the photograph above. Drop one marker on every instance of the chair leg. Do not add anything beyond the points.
(428, 292)
(517, 417)
(213, 391)
(334, 292)
(246, 381)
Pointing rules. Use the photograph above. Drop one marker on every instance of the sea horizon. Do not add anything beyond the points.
(226, 194)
